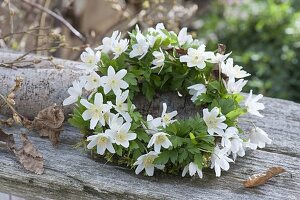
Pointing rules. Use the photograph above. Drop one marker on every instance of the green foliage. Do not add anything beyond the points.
(266, 35)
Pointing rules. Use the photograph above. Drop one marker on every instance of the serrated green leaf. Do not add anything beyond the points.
(198, 160)
(173, 155)
(183, 155)
(162, 158)
(130, 78)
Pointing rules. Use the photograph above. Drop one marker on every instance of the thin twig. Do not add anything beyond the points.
(11, 18)
(11, 107)
(62, 45)
(59, 18)
(42, 24)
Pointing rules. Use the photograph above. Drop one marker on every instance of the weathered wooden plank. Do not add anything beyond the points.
(70, 172)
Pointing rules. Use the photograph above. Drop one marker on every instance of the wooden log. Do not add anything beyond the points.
(71, 174)
(44, 85)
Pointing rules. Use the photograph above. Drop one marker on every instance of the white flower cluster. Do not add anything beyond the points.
(158, 139)
(231, 142)
(100, 113)
(116, 116)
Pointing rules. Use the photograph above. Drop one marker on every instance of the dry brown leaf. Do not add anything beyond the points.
(27, 155)
(260, 179)
(48, 123)
(7, 138)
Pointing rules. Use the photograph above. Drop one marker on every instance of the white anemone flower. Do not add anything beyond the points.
(121, 106)
(231, 140)
(151, 39)
(219, 58)
(119, 47)
(108, 115)
(234, 87)
(107, 42)
(197, 57)
(193, 169)
(75, 92)
(146, 162)
(158, 30)
(115, 122)
(153, 125)
(259, 137)
(95, 112)
(196, 90)
(220, 160)
(159, 59)
(120, 132)
(183, 37)
(113, 81)
(252, 104)
(159, 140)
(103, 141)
(166, 118)
(242, 146)
(92, 81)
(233, 71)
(213, 122)
(140, 48)
(90, 58)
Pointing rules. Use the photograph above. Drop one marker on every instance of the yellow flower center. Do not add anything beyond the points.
(102, 141)
(121, 136)
(148, 161)
(166, 118)
(90, 60)
(160, 139)
(212, 121)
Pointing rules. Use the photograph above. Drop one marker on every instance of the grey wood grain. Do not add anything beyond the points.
(71, 174)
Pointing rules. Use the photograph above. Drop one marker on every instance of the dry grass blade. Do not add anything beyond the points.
(260, 179)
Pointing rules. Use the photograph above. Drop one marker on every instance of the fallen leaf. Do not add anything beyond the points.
(48, 123)
(260, 179)
(27, 155)
(7, 138)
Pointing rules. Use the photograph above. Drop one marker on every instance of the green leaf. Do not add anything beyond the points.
(173, 155)
(214, 85)
(156, 80)
(142, 135)
(193, 138)
(198, 160)
(133, 145)
(203, 98)
(163, 158)
(236, 113)
(130, 78)
(176, 141)
(148, 91)
(119, 150)
(183, 155)
(193, 149)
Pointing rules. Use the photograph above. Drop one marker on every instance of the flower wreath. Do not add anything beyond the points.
(161, 60)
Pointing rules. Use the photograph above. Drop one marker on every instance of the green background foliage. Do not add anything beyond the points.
(264, 36)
